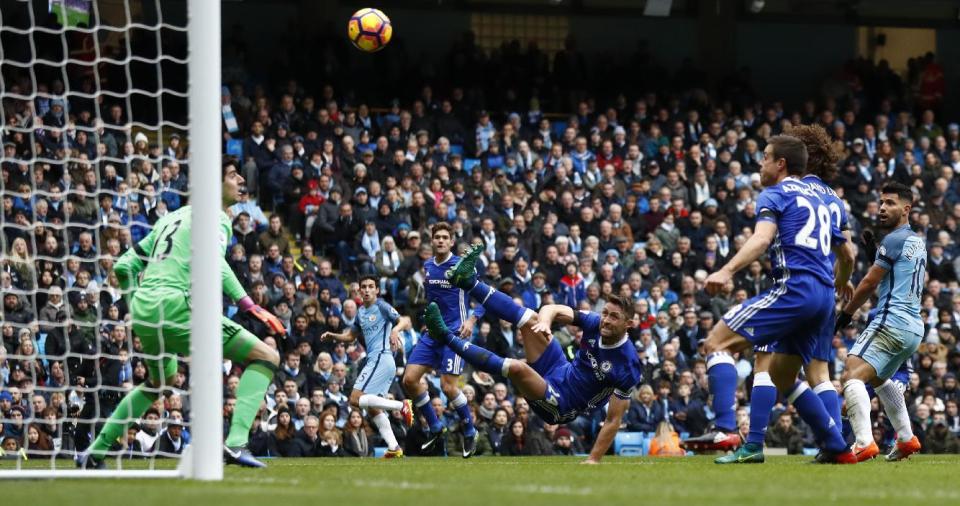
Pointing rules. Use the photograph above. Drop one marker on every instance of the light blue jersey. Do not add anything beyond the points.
(375, 323)
(903, 255)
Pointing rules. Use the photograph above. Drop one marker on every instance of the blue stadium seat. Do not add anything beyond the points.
(456, 149)
(645, 449)
(470, 163)
(558, 127)
(235, 147)
(628, 444)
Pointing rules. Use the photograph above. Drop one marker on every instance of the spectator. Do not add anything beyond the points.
(666, 442)
(355, 435)
(784, 434)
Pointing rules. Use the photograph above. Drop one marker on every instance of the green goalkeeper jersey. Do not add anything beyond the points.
(164, 257)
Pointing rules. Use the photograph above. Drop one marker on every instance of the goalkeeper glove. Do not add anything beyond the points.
(247, 305)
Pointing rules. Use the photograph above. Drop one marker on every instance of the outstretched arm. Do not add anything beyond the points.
(757, 245)
(551, 313)
(347, 336)
(608, 432)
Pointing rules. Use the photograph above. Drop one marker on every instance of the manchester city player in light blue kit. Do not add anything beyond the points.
(430, 355)
(894, 334)
(794, 228)
(380, 326)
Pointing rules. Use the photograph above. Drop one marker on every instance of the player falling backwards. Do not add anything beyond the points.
(161, 311)
(430, 355)
(379, 324)
(822, 158)
(606, 367)
(794, 225)
(894, 333)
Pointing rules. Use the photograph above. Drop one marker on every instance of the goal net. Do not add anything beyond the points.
(111, 119)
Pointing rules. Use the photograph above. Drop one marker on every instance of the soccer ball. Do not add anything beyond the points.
(369, 29)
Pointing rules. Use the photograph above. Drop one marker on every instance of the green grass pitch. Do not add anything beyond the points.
(528, 481)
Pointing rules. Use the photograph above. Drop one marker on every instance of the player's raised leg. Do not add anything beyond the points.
(376, 406)
(527, 381)
(463, 275)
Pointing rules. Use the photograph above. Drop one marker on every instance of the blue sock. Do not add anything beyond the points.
(481, 358)
(463, 409)
(497, 303)
(813, 412)
(831, 400)
(762, 398)
(422, 402)
(723, 386)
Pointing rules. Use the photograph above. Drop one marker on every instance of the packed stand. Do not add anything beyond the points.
(642, 197)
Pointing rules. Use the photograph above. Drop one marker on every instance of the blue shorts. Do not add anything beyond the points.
(377, 374)
(436, 356)
(553, 366)
(885, 348)
(791, 316)
(822, 347)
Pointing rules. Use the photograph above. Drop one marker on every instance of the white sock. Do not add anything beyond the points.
(459, 400)
(383, 427)
(896, 408)
(858, 410)
(505, 370)
(525, 318)
(375, 401)
(826, 386)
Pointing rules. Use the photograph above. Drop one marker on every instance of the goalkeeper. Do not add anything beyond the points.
(161, 319)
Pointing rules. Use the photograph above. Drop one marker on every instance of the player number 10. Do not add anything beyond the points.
(821, 214)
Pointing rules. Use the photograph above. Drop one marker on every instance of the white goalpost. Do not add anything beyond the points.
(60, 83)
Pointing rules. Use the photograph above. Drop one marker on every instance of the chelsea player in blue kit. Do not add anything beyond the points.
(606, 367)
(430, 355)
(896, 330)
(822, 158)
(794, 228)
(380, 326)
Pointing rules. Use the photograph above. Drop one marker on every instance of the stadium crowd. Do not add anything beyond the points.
(641, 196)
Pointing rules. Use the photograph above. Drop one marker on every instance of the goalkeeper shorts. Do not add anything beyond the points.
(162, 322)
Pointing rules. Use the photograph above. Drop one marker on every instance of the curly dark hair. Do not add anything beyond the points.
(822, 153)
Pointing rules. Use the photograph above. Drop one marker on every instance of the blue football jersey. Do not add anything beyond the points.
(600, 371)
(454, 303)
(804, 233)
(838, 212)
(903, 255)
(376, 323)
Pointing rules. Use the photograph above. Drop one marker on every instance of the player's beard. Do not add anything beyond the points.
(893, 219)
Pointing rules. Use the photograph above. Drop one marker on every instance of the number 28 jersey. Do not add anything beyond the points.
(805, 231)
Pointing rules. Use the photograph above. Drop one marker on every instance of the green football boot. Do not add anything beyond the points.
(746, 454)
(435, 326)
(463, 275)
